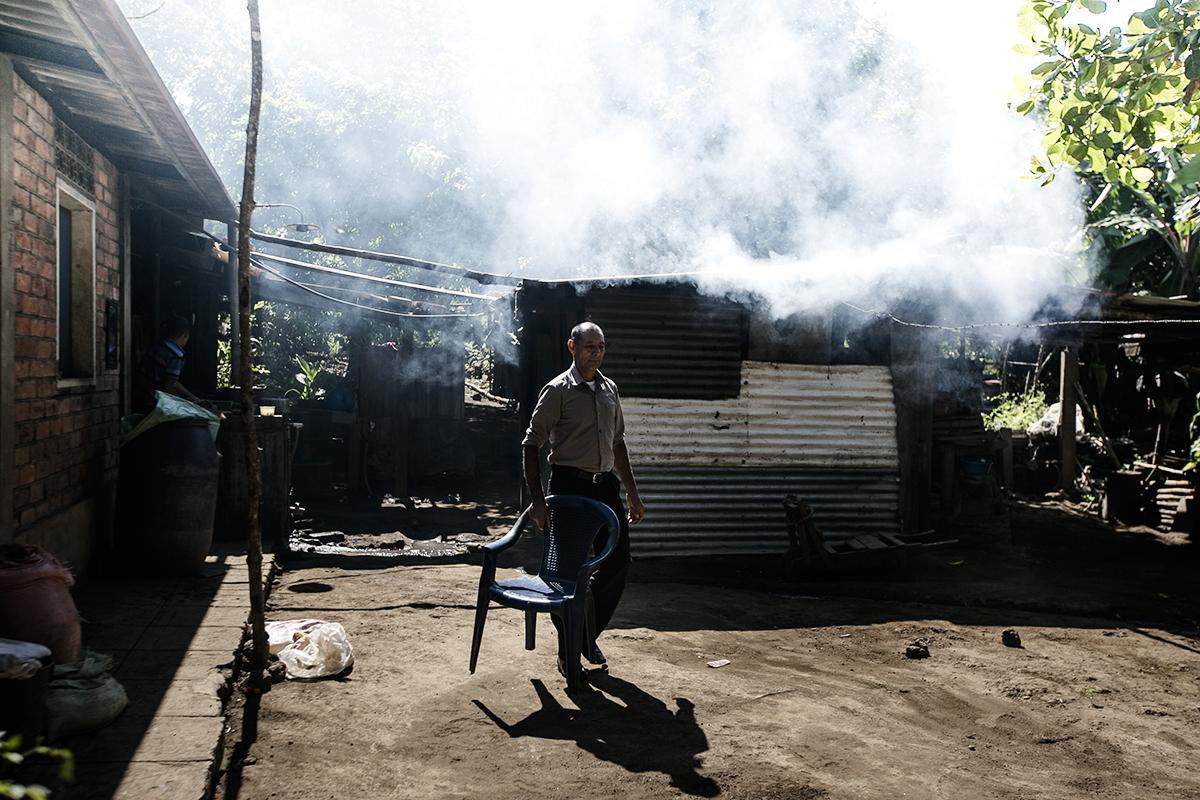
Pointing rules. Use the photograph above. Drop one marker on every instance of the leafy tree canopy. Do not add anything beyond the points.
(1120, 106)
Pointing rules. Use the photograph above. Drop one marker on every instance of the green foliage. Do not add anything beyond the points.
(285, 336)
(1194, 450)
(1121, 109)
(1015, 412)
(224, 362)
(307, 378)
(480, 364)
(225, 366)
(13, 756)
(348, 140)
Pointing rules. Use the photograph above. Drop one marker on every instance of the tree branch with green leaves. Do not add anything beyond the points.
(1121, 110)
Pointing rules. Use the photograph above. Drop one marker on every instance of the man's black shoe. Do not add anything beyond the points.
(597, 658)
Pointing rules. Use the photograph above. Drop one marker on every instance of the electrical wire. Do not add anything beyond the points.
(402, 314)
(317, 268)
(291, 262)
(613, 278)
(1025, 325)
(389, 258)
(485, 277)
(386, 298)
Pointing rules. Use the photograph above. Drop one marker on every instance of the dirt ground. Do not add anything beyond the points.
(818, 700)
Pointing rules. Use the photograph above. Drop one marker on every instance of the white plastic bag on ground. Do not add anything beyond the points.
(310, 648)
(282, 633)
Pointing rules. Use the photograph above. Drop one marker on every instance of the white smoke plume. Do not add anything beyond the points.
(812, 151)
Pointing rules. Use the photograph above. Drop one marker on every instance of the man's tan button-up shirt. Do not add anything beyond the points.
(581, 425)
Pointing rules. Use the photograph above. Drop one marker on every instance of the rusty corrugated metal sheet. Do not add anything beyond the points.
(714, 472)
(713, 511)
(841, 416)
(663, 342)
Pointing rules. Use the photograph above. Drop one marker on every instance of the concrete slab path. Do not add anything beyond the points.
(173, 643)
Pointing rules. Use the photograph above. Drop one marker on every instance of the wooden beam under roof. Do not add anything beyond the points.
(24, 45)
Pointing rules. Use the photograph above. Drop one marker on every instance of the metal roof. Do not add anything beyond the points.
(666, 342)
(82, 56)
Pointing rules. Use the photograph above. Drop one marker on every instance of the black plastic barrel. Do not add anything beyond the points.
(167, 498)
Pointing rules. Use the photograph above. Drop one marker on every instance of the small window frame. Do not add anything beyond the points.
(83, 210)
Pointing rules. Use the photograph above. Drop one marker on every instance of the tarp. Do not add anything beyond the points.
(167, 408)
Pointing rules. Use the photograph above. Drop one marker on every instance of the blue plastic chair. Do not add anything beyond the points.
(561, 585)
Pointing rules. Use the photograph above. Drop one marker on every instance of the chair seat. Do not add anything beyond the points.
(530, 590)
(567, 566)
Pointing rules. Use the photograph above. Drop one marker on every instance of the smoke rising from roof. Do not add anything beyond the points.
(812, 151)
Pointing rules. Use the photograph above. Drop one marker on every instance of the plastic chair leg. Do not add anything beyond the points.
(589, 615)
(573, 624)
(530, 628)
(481, 610)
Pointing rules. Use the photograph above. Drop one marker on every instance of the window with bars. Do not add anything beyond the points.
(73, 157)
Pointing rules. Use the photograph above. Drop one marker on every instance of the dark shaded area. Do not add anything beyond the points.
(617, 731)
(1042, 559)
(423, 518)
(147, 625)
(310, 587)
(231, 780)
(369, 534)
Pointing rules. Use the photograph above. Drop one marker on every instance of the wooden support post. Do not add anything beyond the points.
(913, 384)
(1068, 377)
(258, 658)
(231, 286)
(404, 412)
(8, 429)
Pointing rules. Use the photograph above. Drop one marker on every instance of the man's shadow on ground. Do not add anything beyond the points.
(643, 735)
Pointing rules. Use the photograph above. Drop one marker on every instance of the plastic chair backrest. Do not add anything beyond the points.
(573, 526)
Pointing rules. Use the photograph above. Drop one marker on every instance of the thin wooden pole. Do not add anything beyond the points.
(1068, 378)
(258, 657)
(235, 326)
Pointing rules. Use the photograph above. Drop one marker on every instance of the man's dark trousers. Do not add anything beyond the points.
(608, 582)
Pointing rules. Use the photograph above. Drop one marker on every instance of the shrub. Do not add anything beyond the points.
(1015, 412)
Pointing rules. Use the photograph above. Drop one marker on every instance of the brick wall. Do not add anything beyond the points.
(65, 434)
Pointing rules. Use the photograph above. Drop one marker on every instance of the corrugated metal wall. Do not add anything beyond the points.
(723, 510)
(663, 342)
(713, 473)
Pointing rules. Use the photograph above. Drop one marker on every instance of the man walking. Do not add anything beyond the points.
(579, 414)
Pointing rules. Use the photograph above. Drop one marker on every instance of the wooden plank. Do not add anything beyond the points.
(871, 542)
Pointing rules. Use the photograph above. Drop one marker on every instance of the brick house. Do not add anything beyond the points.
(100, 181)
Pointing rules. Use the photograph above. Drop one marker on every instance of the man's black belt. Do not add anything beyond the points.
(575, 472)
